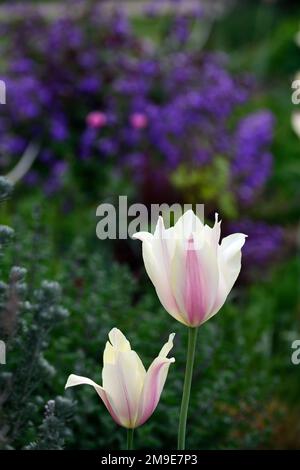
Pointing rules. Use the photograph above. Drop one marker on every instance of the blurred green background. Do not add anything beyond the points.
(188, 104)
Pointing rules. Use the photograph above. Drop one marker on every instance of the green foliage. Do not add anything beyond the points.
(5, 188)
(26, 321)
(208, 184)
(53, 430)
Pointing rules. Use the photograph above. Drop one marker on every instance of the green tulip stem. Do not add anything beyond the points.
(130, 439)
(187, 387)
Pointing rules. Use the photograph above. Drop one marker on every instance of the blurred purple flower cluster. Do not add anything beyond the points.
(263, 243)
(252, 163)
(95, 96)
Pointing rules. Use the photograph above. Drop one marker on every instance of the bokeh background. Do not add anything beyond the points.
(162, 101)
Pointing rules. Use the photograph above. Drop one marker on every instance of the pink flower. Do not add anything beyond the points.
(193, 272)
(129, 392)
(139, 120)
(96, 119)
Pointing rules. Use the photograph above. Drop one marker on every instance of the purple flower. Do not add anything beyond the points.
(108, 147)
(90, 84)
(31, 178)
(55, 180)
(166, 108)
(120, 25)
(137, 162)
(202, 157)
(87, 141)
(12, 145)
(252, 162)
(21, 65)
(264, 241)
(46, 156)
(181, 28)
(59, 129)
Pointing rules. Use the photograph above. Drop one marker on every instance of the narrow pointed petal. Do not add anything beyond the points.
(74, 380)
(167, 347)
(154, 382)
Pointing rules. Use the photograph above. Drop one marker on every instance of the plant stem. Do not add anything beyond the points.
(130, 439)
(187, 386)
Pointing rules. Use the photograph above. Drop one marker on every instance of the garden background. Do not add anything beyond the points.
(170, 101)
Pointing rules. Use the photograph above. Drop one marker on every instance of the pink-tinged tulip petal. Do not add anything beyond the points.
(125, 380)
(74, 380)
(157, 254)
(229, 262)
(195, 279)
(192, 284)
(154, 382)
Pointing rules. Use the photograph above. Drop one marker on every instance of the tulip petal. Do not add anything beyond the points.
(186, 225)
(118, 340)
(123, 381)
(212, 234)
(143, 236)
(157, 256)
(229, 261)
(109, 355)
(195, 279)
(74, 380)
(167, 347)
(230, 257)
(295, 119)
(154, 382)
(163, 244)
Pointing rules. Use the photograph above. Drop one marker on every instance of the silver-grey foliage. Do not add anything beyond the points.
(27, 318)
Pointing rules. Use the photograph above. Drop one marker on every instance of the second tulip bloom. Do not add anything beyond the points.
(129, 392)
